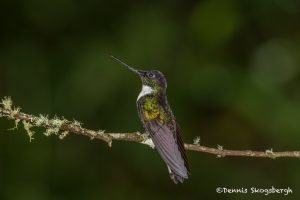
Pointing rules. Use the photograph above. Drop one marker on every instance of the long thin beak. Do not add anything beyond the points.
(142, 73)
(129, 67)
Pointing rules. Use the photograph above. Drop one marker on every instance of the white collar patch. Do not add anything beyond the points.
(145, 91)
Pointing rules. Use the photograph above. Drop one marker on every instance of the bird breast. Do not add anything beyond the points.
(146, 90)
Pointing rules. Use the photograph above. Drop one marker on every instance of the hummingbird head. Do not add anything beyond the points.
(151, 78)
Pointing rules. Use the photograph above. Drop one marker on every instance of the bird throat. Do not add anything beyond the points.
(146, 90)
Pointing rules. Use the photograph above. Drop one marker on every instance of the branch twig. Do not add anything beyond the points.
(62, 127)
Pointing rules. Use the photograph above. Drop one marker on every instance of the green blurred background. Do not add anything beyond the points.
(233, 70)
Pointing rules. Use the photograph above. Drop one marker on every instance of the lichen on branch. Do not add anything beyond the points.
(62, 127)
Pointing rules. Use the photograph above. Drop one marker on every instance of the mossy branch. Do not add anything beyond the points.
(62, 127)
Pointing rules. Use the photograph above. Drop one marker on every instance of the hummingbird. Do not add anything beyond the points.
(160, 123)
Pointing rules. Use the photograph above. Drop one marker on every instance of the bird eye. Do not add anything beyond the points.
(150, 75)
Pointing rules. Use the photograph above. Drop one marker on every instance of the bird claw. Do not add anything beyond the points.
(146, 135)
(147, 140)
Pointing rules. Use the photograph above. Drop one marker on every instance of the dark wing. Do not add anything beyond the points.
(181, 145)
(168, 147)
(169, 144)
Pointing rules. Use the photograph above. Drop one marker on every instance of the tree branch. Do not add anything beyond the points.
(62, 127)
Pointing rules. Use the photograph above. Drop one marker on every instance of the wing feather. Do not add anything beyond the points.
(167, 146)
(168, 142)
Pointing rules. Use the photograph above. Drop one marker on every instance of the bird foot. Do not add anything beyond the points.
(147, 140)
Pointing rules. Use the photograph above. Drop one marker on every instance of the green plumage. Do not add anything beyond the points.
(150, 109)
